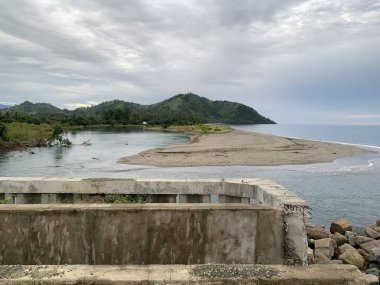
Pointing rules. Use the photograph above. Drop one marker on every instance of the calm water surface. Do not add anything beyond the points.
(348, 187)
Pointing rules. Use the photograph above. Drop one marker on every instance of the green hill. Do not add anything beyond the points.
(35, 108)
(182, 109)
(209, 111)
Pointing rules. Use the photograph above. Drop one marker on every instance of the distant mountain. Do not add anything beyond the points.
(102, 108)
(2, 106)
(186, 106)
(36, 108)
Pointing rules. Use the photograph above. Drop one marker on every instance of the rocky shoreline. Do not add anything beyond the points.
(340, 244)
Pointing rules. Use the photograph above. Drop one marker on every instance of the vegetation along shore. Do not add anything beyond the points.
(32, 124)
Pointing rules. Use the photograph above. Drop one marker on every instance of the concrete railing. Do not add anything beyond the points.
(294, 210)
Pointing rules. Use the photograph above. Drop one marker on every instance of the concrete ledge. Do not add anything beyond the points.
(184, 274)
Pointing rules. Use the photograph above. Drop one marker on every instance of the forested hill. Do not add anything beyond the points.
(182, 109)
(209, 111)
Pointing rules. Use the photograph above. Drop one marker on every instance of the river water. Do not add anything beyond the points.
(348, 187)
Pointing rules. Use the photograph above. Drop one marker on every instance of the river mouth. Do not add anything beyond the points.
(347, 187)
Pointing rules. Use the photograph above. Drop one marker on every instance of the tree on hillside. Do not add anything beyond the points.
(3, 132)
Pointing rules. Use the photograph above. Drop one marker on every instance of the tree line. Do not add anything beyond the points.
(110, 117)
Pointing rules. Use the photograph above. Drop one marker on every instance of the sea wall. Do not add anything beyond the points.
(141, 234)
(243, 191)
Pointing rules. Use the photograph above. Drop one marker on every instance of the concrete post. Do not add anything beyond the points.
(163, 199)
(232, 199)
(295, 239)
(195, 198)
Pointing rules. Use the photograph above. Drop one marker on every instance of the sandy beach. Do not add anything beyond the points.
(243, 148)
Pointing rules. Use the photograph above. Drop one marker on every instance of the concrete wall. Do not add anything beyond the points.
(238, 190)
(141, 234)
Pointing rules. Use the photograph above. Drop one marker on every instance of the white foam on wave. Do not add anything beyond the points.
(357, 168)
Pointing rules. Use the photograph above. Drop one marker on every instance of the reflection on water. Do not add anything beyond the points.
(348, 187)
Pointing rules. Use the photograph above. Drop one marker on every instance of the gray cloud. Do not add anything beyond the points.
(273, 55)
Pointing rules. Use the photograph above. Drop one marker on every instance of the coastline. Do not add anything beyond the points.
(240, 147)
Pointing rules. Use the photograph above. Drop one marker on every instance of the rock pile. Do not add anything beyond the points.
(340, 244)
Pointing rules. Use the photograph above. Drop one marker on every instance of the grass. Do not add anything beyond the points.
(28, 133)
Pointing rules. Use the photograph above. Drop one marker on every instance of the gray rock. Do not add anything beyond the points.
(336, 261)
(311, 243)
(373, 271)
(350, 238)
(374, 265)
(361, 239)
(372, 233)
(374, 254)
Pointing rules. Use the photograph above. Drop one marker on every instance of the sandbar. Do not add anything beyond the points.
(243, 148)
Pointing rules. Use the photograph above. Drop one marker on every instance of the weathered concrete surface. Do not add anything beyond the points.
(237, 190)
(213, 274)
(141, 234)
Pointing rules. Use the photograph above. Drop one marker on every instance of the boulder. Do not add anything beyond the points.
(363, 253)
(339, 238)
(374, 254)
(377, 229)
(325, 247)
(361, 239)
(372, 233)
(310, 256)
(373, 271)
(370, 245)
(322, 259)
(370, 279)
(378, 222)
(340, 226)
(350, 237)
(311, 243)
(344, 248)
(316, 232)
(354, 258)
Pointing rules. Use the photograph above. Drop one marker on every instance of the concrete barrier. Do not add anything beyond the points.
(141, 234)
(294, 211)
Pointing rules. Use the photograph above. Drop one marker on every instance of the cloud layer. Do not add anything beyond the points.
(295, 61)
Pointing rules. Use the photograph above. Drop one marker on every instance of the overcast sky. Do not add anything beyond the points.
(294, 61)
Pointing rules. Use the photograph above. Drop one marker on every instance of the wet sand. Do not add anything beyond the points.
(243, 148)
